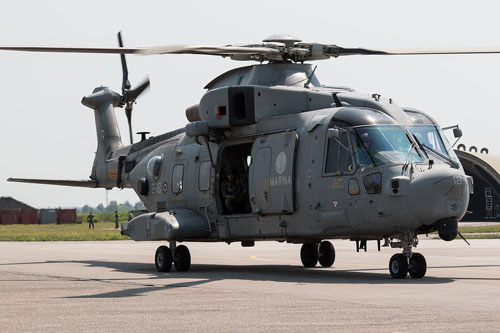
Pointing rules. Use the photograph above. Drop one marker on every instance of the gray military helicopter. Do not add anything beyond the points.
(270, 153)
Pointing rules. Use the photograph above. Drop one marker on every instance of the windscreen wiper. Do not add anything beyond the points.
(420, 146)
(441, 156)
(412, 145)
(408, 157)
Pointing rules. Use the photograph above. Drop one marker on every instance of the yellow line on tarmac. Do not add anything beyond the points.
(257, 257)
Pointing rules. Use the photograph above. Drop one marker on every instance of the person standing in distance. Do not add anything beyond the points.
(90, 220)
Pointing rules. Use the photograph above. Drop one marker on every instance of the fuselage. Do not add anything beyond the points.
(321, 163)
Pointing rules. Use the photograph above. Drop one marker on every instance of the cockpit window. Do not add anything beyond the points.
(338, 155)
(433, 137)
(383, 145)
(429, 136)
(419, 118)
(154, 166)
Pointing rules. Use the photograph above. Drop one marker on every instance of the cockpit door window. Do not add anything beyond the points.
(339, 159)
(204, 176)
(177, 178)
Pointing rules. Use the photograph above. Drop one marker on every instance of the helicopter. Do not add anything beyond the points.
(271, 154)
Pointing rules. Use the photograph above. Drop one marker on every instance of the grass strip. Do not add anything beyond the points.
(60, 232)
(480, 229)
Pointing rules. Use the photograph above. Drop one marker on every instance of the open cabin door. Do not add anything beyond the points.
(271, 173)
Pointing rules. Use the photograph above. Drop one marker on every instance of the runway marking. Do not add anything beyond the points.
(217, 257)
(257, 257)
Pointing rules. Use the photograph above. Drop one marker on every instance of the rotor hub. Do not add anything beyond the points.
(287, 40)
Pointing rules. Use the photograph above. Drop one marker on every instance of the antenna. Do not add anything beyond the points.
(306, 85)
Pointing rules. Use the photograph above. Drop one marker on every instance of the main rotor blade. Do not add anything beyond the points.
(61, 182)
(168, 49)
(337, 51)
(269, 53)
(208, 50)
(113, 50)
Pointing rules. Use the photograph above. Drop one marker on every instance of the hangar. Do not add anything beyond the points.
(11, 203)
(485, 169)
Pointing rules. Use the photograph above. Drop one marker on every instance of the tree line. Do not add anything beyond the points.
(112, 206)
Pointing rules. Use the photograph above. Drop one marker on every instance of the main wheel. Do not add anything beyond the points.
(309, 254)
(326, 254)
(163, 259)
(418, 266)
(182, 258)
(398, 266)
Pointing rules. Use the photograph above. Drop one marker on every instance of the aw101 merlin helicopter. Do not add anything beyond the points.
(269, 153)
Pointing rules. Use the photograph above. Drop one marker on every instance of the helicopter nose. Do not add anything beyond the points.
(438, 193)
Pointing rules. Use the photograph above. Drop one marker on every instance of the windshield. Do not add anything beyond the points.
(383, 145)
(433, 137)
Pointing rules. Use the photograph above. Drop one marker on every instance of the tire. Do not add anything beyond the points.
(309, 254)
(418, 266)
(326, 254)
(182, 258)
(163, 259)
(398, 266)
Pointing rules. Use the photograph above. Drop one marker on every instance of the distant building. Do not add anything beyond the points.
(11, 203)
(485, 170)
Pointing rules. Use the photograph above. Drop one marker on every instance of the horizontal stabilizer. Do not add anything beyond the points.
(61, 182)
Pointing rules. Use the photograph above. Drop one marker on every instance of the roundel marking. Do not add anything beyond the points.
(281, 163)
(164, 187)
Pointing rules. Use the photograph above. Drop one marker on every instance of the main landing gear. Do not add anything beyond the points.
(407, 262)
(311, 253)
(178, 255)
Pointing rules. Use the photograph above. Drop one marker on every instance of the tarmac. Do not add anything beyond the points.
(113, 286)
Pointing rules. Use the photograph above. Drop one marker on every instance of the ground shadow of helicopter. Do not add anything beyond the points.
(205, 273)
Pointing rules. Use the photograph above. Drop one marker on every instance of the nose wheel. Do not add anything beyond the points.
(405, 263)
(398, 266)
(417, 266)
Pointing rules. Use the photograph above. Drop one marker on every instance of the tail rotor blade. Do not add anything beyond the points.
(128, 113)
(132, 94)
(125, 82)
(129, 95)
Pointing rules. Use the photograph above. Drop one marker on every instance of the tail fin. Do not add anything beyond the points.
(106, 164)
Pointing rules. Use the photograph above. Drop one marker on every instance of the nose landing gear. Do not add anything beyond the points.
(407, 262)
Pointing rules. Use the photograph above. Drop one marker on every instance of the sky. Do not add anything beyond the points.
(45, 132)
